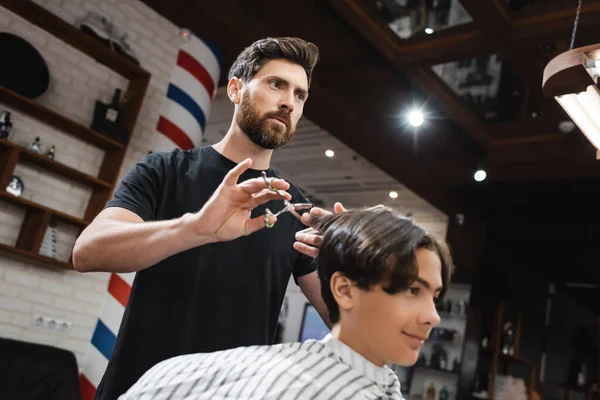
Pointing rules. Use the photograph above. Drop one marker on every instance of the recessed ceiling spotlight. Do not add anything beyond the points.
(329, 153)
(393, 195)
(566, 126)
(480, 175)
(428, 31)
(415, 118)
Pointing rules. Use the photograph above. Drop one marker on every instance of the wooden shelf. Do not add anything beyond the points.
(19, 201)
(29, 157)
(68, 33)
(58, 121)
(35, 256)
(38, 217)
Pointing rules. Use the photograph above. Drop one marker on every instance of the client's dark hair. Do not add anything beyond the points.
(371, 247)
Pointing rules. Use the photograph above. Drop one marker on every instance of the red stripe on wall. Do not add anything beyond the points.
(173, 132)
(189, 63)
(119, 289)
(86, 389)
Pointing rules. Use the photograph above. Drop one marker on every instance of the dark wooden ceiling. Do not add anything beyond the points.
(369, 77)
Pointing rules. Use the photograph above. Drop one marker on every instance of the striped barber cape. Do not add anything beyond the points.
(317, 370)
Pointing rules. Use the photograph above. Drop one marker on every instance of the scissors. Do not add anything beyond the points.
(292, 208)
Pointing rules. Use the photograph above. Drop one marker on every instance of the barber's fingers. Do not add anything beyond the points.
(305, 249)
(255, 185)
(234, 174)
(339, 208)
(309, 239)
(319, 212)
(267, 195)
(257, 223)
(308, 218)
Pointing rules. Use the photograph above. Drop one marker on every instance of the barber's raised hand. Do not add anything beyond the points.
(226, 215)
(308, 243)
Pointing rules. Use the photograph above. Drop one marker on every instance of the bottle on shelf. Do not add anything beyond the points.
(455, 365)
(113, 110)
(430, 392)
(443, 362)
(443, 393)
(485, 342)
(36, 146)
(508, 339)
(5, 124)
(582, 375)
(448, 309)
(462, 308)
(50, 153)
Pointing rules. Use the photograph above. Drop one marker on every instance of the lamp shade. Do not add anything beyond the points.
(572, 79)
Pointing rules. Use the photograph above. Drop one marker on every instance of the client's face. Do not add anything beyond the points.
(393, 327)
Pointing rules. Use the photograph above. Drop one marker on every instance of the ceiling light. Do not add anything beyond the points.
(584, 110)
(329, 153)
(571, 78)
(393, 195)
(415, 118)
(428, 31)
(480, 175)
(566, 126)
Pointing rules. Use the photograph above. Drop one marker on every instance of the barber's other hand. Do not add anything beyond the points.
(308, 243)
(226, 215)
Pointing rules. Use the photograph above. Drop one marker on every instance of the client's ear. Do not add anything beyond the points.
(234, 89)
(341, 288)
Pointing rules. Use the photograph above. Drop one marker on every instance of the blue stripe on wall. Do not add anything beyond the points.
(103, 339)
(183, 99)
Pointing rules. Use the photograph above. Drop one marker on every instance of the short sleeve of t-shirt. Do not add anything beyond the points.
(304, 265)
(139, 190)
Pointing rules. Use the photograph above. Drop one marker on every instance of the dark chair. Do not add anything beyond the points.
(31, 371)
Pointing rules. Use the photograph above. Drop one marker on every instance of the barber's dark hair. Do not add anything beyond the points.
(374, 247)
(293, 49)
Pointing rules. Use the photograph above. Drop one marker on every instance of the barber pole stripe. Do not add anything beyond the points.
(179, 96)
(98, 364)
(105, 333)
(112, 314)
(103, 339)
(207, 54)
(174, 134)
(189, 96)
(181, 124)
(119, 289)
(197, 70)
(87, 389)
(202, 96)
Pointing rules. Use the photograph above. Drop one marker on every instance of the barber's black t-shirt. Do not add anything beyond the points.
(213, 297)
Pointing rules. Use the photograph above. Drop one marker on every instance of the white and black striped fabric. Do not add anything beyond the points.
(316, 370)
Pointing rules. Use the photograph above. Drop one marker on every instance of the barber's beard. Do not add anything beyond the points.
(260, 130)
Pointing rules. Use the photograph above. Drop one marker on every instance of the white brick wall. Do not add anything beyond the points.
(77, 81)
